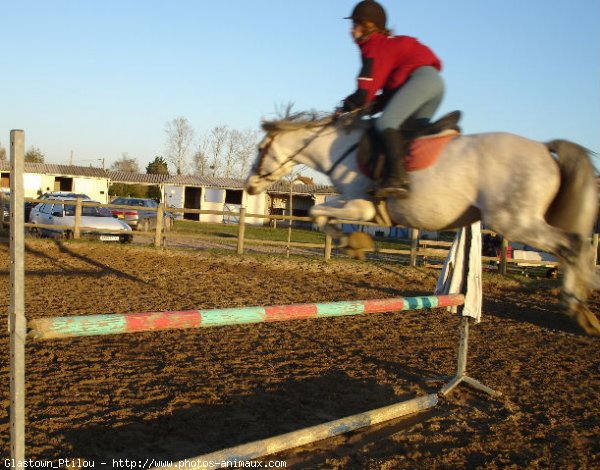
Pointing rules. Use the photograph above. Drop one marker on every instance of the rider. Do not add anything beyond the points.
(406, 73)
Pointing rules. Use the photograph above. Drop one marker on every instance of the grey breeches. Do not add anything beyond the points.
(418, 98)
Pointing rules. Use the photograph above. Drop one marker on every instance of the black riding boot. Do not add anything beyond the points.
(396, 182)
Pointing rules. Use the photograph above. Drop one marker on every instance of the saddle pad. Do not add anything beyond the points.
(425, 151)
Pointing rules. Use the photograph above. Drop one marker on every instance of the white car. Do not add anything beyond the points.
(52, 212)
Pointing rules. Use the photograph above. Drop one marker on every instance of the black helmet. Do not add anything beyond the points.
(369, 10)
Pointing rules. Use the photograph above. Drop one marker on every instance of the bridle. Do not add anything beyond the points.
(264, 150)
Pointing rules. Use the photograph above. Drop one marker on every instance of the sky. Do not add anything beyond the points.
(91, 80)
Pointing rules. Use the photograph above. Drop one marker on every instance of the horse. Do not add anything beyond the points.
(540, 194)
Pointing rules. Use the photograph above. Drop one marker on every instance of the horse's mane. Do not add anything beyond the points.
(300, 120)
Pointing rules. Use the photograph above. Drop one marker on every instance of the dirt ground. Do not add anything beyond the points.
(177, 394)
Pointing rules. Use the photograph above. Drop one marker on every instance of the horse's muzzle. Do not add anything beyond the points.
(252, 185)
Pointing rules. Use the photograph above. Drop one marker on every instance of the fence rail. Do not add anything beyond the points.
(418, 248)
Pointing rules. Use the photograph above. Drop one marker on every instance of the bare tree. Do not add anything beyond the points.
(2, 153)
(35, 155)
(230, 152)
(246, 151)
(180, 136)
(200, 163)
(126, 163)
(226, 152)
(217, 142)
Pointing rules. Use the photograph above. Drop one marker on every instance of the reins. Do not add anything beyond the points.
(297, 152)
(288, 159)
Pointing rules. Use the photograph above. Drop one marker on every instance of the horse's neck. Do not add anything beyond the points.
(334, 154)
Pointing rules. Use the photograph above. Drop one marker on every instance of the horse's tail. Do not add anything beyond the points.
(575, 207)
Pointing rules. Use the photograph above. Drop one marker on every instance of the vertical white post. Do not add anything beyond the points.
(17, 324)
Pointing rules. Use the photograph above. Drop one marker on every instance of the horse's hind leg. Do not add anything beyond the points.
(575, 255)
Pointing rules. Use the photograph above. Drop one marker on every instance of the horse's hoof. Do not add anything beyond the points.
(355, 253)
(360, 241)
(588, 321)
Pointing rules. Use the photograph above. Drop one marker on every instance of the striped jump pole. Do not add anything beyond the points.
(112, 324)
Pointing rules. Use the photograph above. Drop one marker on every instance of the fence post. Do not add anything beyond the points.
(2, 206)
(414, 246)
(327, 253)
(17, 323)
(77, 228)
(241, 231)
(159, 223)
(503, 262)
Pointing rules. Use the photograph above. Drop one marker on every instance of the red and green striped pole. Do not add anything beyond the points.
(112, 324)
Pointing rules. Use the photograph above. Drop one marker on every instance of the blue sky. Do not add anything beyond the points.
(100, 78)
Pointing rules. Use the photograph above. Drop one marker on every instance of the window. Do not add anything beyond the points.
(233, 197)
(57, 208)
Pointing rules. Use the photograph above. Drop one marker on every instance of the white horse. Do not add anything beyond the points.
(540, 194)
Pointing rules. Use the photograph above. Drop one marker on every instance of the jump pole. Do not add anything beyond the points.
(273, 445)
(110, 324)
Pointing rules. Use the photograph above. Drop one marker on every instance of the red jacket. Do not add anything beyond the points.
(387, 63)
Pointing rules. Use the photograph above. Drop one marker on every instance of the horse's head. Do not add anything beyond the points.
(270, 165)
(280, 150)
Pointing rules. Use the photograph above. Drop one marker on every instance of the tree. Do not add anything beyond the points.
(34, 155)
(158, 166)
(200, 163)
(126, 164)
(226, 152)
(2, 153)
(180, 136)
(216, 144)
(248, 141)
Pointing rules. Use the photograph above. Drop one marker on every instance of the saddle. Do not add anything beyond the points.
(425, 143)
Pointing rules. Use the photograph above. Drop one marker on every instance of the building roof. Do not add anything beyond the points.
(207, 181)
(139, 178)
(58, 170)
(157, 179)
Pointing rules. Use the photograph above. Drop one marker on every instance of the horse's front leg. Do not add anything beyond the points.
(360, 210)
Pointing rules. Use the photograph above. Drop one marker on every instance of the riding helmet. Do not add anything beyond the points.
(369, 10)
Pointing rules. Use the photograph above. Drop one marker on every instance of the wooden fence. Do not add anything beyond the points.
(422, 249)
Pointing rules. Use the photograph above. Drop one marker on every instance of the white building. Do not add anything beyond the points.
(40, 178)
